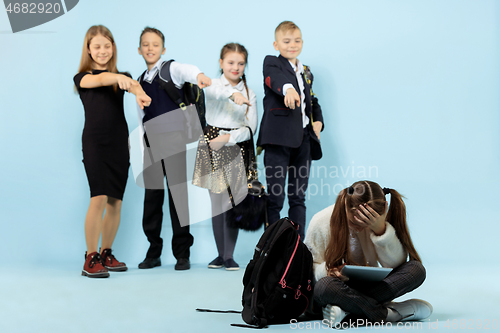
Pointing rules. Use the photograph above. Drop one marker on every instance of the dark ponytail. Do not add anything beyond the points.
(337, 251)
(397, 217)
(248, 93)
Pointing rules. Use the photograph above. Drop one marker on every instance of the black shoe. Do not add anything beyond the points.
(216, 263)
(182, 264)
(231, 265)
(150, 263)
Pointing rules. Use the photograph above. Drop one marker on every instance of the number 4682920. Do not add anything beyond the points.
(471, 324)
(34, 8)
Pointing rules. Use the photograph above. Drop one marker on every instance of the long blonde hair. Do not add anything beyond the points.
(361, 192)
(86, 61)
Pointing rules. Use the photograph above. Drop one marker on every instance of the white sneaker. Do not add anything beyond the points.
(333, 314)
(412, 309)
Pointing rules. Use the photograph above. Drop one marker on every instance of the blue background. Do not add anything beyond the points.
(409, 92)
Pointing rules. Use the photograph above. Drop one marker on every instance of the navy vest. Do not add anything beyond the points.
(161, 103)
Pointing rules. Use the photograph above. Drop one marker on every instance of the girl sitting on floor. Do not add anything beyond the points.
(358, 230)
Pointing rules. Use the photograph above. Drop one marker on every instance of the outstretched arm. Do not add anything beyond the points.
(203, 81)
(278, 82)
(123, 81)
(143, 100)
(182, 73)
(106, 79)
(292, 98)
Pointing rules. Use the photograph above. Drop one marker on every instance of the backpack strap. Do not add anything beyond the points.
(272, 230)
(249, 326)
(231, 311)
(308, 77)
(218, 311)
(165, 81)
(265, 243)
(141, 77)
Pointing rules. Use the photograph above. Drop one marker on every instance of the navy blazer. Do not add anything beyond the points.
(281, 125)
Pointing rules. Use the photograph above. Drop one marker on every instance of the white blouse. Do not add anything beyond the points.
(222, 112)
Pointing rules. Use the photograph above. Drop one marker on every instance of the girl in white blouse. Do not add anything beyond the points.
(359, 230)
(231, 115)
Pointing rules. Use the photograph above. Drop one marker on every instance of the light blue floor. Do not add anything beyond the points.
(161, 300)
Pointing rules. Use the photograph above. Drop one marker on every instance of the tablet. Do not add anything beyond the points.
(365, 273)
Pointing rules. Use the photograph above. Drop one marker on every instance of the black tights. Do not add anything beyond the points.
(367, 298)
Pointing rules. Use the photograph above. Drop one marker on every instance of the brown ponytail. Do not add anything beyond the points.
(337, 251)
(397, 217)
(248, 93)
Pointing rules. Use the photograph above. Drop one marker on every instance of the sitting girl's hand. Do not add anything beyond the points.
(124, 82)
(219, 142)
(239, 99)
(143, 100)
(335, 272)
(368, 217)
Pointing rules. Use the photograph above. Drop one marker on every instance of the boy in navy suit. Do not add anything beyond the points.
(290, 127)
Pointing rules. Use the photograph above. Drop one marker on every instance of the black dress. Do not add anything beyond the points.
(105, 139)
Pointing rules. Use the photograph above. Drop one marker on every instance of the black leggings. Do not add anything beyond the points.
(225, 236)
(367, 298)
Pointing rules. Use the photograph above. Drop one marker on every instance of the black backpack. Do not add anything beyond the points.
(278, 280)
(193, 95)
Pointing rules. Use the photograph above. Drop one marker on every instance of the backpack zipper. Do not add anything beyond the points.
(282, 281)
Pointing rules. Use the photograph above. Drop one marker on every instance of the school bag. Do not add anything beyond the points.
(193, 95)
(251, 213)
(278, 280)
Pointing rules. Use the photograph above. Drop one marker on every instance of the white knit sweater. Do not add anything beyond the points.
(385, 249)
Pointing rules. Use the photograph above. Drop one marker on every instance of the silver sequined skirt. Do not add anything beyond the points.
(219, 170)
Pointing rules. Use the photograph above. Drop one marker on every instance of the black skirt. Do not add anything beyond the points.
(106, 162)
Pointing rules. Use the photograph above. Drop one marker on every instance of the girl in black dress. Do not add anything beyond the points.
(105, 145)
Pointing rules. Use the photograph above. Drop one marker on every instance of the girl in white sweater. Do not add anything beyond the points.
(358, 230)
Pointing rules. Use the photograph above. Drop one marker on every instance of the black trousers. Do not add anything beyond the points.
(366, 299)
(174, 168)
(279, 162)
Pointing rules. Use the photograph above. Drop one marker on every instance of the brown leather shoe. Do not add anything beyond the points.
(109, 261)
(93, 267)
